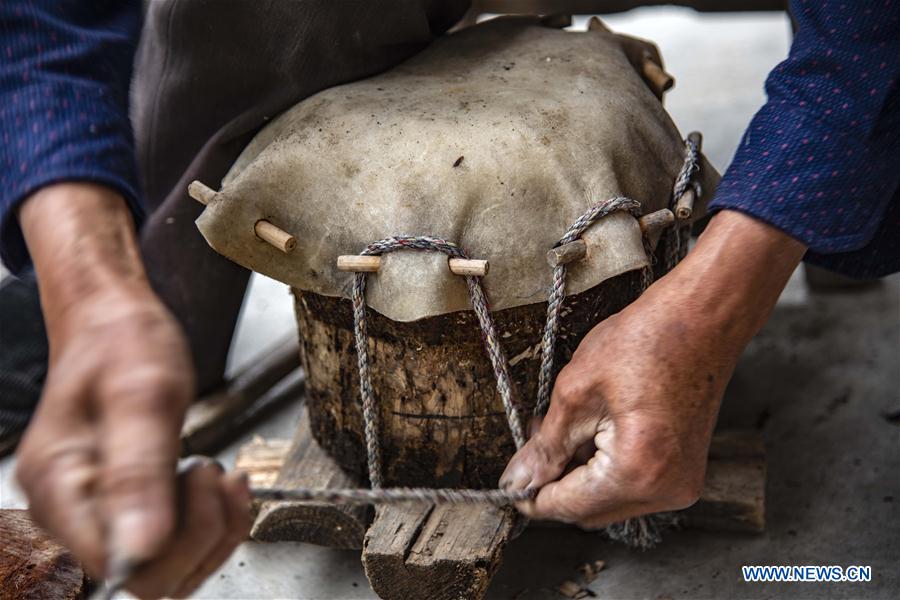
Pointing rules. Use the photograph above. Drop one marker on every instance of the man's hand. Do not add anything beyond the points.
(98, 460)
(631, 416)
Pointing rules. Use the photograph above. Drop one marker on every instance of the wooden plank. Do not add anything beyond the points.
(733, 497)
(325, 524)
(441, 552)
(214, 420)
(452, 551)
(32, 565)
(734, 493)
(261, 460)
(737, 444)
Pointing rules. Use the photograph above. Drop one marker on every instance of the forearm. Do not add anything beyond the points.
(82, 241)
(729, 283)
(819, 160)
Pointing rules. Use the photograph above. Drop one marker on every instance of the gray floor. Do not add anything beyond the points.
(816, 382)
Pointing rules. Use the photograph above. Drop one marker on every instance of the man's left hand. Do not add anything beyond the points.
(629, 424)
(631, 416)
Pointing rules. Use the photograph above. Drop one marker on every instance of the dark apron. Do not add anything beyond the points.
(209, 75)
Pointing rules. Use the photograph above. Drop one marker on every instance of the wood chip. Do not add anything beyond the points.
(590, 570)
(570, 589)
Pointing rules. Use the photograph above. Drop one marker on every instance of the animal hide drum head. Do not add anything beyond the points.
(496, 138)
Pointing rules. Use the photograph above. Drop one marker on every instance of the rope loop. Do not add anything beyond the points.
(558, 291)
(690, 166)
(676, 244)
(488, 330)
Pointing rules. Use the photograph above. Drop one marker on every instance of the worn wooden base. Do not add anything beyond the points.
(305, 464)
(734, 493)
(32, 565)
(453, 551)
(436, 552)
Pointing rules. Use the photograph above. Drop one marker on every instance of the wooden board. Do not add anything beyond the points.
(305, 464)
(448, 552)
(261, 460)
(453, 551)
(734, 493)
(32, 565)
(436, 552)
(733, 497)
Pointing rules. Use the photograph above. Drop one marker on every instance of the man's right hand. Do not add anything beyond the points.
(98, 460)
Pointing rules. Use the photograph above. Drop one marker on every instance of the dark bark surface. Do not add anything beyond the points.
(442, 421)
(33, 565)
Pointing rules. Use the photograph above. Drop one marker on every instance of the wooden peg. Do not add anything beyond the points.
(275, 236)
(654, 223)
(696, 138)
(469, 266)
(370, 264)
(659, 80)
(358, 263)
(201, 193)
(684, 208)
(264, 230)
(567, 253)
(596, 24)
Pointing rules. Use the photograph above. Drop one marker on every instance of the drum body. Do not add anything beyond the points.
(496, 138)
(442, 420)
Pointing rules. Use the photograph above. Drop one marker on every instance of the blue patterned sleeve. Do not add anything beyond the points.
(65, 72)
(821, 159)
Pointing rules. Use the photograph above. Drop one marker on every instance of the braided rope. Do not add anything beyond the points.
(395, 495)
(690, 166)
(677, 240)
(558, 292)
(482, 311)
(380, 495)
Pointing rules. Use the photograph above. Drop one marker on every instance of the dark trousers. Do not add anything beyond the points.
(209, 75)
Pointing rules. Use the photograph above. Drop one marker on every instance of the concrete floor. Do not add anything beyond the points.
(817, 382)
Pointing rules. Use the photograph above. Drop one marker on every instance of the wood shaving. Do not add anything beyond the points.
(590, 570)
(570, 589)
